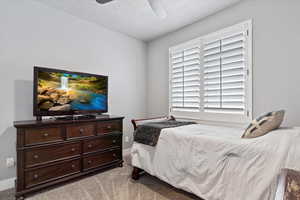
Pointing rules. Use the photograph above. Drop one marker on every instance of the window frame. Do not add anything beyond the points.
(218, 117)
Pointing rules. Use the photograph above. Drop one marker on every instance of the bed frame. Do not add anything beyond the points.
(137, 172)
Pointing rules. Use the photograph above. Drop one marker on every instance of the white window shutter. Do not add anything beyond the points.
(185, 79)
(225, 74)
(211, 76)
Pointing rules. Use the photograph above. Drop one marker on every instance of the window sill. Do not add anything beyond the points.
(214, 123)
(214, 119)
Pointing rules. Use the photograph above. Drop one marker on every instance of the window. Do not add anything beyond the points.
(210, 77)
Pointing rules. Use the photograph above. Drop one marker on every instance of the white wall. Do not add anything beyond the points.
(34, 34)
(276, 44)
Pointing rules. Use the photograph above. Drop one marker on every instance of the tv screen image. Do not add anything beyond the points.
(67, 92)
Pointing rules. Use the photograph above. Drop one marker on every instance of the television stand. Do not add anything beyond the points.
(39, 118)
(76, 117)
(70, 117)
(83, 117)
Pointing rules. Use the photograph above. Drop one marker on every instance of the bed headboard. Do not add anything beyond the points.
(136, 122)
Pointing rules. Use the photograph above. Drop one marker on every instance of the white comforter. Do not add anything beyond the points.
(214, 163)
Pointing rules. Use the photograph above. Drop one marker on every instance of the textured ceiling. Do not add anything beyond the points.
(135, 17)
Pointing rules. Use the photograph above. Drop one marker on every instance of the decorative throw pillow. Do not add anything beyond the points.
(264, 124)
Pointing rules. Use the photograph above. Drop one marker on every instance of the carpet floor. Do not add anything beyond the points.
(115, 184)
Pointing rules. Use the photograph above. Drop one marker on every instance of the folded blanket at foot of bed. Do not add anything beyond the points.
(149, 133)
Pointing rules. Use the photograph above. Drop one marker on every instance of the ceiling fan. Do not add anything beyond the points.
(156, 6)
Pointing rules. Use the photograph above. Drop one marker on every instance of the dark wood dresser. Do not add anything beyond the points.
(55, 151)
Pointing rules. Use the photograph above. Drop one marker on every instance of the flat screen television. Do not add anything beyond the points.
(60, 92)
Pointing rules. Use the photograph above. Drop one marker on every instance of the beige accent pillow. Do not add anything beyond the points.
(264, 124)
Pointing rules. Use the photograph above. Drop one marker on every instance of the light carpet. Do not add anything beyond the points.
(115, 184)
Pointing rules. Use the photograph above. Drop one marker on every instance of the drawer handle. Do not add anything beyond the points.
(81, 130)
(90, 146)
(114, 141)
(73, 166)
(73, 149)
(114, 155)
(36, 156)
(46, 134)
(89, 162)
(108, 127)
(35, 176)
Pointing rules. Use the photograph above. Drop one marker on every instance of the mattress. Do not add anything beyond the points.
(214, 163)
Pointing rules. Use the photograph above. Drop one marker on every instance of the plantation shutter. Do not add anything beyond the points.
(185, 79)
(211, 76)
(225, 74)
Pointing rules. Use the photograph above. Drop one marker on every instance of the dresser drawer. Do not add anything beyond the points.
(46, 174)
(108, 127)
(51, 153)
(105, 142)
(97, 160)
(80, 130)
(42, 135)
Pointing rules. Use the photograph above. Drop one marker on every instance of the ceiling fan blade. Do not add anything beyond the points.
(103, 1)
(158, 8)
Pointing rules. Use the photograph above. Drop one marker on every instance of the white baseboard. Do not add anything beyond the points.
(7, 184)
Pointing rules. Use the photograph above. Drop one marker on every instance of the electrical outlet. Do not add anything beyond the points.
(126, 139)
(10, 162)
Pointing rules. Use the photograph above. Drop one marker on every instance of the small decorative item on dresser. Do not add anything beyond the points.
(51, 152)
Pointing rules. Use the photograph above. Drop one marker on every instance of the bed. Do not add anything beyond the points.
(214, 163)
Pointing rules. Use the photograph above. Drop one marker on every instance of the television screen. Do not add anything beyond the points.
(63, 92)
